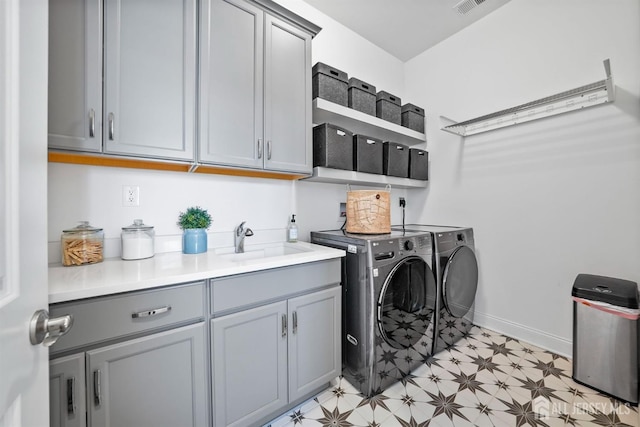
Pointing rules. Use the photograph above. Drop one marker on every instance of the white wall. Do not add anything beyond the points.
(78, 192)
(344, 49)
(94, 193)
(552, 198)
(336, 45)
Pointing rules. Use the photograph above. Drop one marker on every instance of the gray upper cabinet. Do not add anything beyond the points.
(75, 75)
(255, 81)
(231, 83)
(287, 97)
(145, 66)
(150, 78)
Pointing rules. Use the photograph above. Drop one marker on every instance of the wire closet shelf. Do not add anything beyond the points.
(598, 93)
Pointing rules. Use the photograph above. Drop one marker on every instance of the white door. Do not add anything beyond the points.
(24, 373)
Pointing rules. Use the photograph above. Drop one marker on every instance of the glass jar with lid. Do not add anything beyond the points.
(137, 241)
(82, 244)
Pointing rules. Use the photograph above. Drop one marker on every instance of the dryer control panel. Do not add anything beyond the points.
(384, 251)
(449, 240)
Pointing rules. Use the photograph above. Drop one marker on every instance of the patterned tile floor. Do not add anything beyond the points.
(486, 379)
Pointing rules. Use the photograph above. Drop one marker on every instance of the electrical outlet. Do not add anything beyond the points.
(343, 211)
(130, 195)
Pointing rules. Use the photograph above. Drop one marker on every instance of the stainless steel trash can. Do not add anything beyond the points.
(605, 335)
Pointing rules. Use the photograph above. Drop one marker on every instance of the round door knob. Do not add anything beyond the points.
(45, 330)
(408, 245)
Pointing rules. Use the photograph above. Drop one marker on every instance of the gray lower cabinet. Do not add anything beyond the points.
(249, 351)
(67, 392)
(247, 347)
(255, 88)
(157, 380)
(268, 357)
(122, 77)
(154, 381)
(314, 351)
(138, 358)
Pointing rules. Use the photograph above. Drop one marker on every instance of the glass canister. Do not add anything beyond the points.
(82, 244)
(137, 241)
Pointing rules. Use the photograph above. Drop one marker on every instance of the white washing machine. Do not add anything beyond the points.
(456, 269)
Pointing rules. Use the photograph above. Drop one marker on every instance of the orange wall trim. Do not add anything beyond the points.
(117, 162)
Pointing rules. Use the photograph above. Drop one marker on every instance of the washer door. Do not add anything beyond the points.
(460, 281)
(406, 303)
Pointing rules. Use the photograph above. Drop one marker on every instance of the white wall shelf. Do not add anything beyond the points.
(598, 93)
(361, 123)
(339, 176)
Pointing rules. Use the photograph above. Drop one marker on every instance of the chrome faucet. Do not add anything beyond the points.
(239, 235)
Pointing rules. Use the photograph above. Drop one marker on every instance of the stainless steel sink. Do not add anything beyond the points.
(261, 252)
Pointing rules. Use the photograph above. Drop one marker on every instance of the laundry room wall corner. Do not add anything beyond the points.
(548, 199)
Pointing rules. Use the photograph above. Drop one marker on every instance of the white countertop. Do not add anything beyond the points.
(114, 275)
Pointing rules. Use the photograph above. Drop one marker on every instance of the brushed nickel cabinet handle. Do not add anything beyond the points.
(259, 148)
(284, 325)
(71, 396)
(295, 322)
(111, 126)
(268, 150)
(97, 396)
(152, 312)
(92, 123)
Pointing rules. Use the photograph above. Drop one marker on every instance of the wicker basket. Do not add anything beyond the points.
(368, 211)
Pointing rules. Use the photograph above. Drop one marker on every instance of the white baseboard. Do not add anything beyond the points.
(534, 336)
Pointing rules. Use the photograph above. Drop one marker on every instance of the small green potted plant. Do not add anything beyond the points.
(194, 222)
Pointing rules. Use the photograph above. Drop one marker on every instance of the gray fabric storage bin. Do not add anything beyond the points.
(395, 159)
(367, 154)
(388, 107)
(412, 117)
(329, 83)
(362, 96)
(332, 147)
(418, 164)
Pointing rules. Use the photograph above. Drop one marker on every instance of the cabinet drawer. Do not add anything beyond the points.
(254, 288)
(101, 319)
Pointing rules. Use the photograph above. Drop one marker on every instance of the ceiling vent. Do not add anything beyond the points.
(466, 5)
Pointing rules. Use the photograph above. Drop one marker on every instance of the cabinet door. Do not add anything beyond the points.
(158, 380)
(287, 97)
(231, 84)
(75, 75)
(67, 392)
(315, 341)
(249, 352)
(150, 78)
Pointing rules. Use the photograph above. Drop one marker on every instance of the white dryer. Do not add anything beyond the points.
(456, 269)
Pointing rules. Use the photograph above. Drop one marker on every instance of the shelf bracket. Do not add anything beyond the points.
(598, 93)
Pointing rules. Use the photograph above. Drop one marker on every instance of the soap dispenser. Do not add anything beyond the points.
(292, 230)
